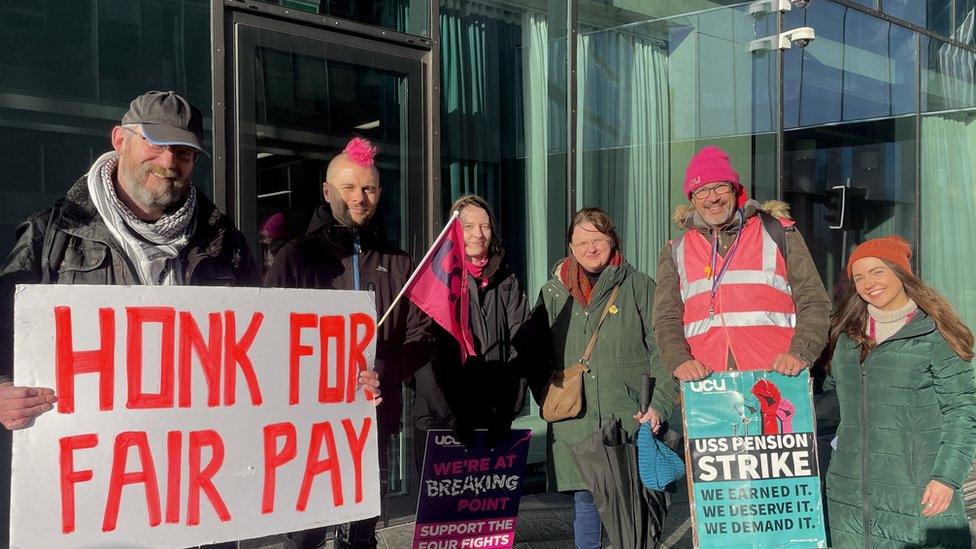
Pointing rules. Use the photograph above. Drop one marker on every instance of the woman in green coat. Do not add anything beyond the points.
(570, 306)
(907, 434)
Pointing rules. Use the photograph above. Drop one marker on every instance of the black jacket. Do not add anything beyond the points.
(70, 244)
(488, 390)
(323, 259)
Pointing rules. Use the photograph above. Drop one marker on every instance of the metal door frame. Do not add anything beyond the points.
(423, 191)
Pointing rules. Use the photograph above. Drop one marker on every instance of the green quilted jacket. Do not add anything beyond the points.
(908, 416)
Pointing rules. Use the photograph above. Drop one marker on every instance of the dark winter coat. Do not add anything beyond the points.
(624, 350)
(488, 390)
(70, 244)
(908, 416)
(324, 258)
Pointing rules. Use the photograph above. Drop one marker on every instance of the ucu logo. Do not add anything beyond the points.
(708, 386)
(445, 440)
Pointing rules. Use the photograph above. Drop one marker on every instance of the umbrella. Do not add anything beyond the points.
(632, 515)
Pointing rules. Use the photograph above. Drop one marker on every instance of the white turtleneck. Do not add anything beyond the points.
(886, 323)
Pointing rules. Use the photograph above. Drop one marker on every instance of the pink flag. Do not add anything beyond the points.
(440, 287)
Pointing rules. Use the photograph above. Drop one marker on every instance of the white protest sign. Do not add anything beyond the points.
(191, 415)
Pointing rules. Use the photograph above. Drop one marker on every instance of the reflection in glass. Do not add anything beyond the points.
(935, 15)
(306, 106)
(70, 70)
(947, 76)
(875, 161)
(965, 22)
(863, 67)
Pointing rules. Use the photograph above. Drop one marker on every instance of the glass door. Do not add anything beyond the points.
(301, 94)
(297, 95)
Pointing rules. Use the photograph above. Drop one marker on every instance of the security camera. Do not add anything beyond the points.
(800, 3)
(801, 37)
(763, 7)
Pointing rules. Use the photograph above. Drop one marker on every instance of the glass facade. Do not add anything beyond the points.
(654, 87)
(68, 71)
(542, 107)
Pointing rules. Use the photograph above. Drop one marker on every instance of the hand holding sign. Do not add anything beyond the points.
(369, 381)
(691, 370)
(20, 405)
(788, 364)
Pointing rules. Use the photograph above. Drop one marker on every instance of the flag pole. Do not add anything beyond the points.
(413, 275)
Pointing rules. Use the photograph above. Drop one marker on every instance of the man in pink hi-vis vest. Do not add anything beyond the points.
(738, 289)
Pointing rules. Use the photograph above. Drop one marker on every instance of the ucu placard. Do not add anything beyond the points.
(708, 386)
(446, 440)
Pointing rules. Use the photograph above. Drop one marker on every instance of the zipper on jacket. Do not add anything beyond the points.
(355, 262)
(865, 520)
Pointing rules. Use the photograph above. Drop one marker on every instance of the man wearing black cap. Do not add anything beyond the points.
(134, 218)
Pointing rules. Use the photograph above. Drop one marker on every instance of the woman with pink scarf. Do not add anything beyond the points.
(488, 390)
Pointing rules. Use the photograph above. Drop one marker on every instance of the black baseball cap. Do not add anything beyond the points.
(167, 118)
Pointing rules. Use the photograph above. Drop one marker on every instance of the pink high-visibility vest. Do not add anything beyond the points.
(751, 314)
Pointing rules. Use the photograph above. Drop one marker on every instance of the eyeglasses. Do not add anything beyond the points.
(183, 154)
(720, 190)
(598, 243)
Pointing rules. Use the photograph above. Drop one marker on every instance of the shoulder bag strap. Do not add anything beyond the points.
(585, 358)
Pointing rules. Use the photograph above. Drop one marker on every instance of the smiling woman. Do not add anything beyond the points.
(566, 317)
(485, 390)
(905, 383)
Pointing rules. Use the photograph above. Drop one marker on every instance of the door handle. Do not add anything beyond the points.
(843, 206)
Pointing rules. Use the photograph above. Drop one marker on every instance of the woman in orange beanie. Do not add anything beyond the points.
(907, 434)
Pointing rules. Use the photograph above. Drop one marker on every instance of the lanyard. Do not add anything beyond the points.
(355, 263)
(710, 269)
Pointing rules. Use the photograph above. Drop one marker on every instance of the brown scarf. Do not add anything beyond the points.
(575, 280)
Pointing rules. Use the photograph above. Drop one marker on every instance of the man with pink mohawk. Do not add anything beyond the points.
(345, 248)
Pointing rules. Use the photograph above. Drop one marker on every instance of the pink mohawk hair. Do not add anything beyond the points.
(361, 151)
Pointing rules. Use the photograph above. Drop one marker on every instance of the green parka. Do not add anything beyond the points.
(908, 416)
(625, 349)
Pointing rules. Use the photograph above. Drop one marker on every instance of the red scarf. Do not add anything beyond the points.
(575, 280)
(476, 268)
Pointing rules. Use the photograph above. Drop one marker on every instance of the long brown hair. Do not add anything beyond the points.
(851, 316)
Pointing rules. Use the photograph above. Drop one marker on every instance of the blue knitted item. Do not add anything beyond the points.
(657, 464)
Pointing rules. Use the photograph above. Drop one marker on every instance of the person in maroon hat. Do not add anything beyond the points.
(902, 369)
(738, 289)
(274, 233)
